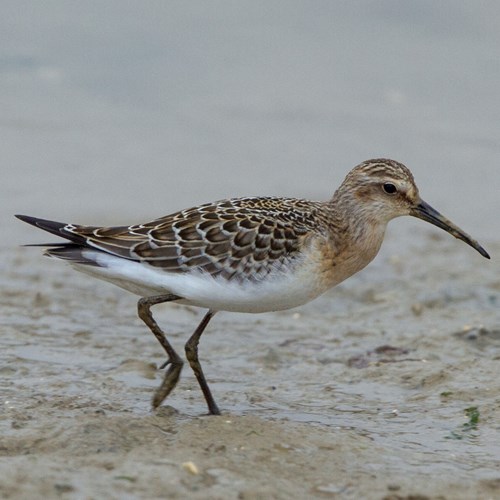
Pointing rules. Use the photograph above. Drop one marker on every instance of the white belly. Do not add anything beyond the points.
(282, 290)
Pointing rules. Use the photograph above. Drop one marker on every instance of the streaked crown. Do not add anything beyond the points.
(380, 169)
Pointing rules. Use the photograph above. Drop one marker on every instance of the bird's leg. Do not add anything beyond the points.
(175, 362)
(191, 348)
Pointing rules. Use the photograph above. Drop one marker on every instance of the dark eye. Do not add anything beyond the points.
(390, 188)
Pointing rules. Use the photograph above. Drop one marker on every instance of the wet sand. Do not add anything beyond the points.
(385, 387)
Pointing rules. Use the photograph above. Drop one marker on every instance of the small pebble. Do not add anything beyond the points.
(191, 468)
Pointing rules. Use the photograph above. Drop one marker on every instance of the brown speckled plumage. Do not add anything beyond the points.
(242, 238)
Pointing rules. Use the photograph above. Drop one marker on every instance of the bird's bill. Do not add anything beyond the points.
(425, 212)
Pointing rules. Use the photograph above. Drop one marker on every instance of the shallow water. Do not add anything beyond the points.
(123, 115)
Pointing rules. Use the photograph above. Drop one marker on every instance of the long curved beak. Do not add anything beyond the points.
(425, 212)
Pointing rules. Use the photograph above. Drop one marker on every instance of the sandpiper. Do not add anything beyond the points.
(254, 254)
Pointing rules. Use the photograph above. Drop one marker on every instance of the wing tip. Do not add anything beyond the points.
(26, 218)
(46, 224)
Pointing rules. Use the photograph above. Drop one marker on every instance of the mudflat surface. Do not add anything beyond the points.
(385, 387)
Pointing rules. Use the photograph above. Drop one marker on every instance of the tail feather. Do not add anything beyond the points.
(79, 249)
(72, 252)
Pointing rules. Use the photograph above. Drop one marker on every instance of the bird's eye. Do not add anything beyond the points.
(390, 188)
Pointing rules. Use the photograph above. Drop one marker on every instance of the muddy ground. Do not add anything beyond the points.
(386, 387)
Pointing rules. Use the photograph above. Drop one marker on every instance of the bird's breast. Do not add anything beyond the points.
(337, 261)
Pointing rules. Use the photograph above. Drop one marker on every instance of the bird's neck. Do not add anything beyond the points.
(354, 226)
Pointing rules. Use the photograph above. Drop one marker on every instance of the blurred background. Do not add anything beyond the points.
(120, 111)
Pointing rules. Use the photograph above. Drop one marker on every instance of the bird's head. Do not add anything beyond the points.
(381, 190)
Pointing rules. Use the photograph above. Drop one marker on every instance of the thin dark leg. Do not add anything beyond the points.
(192, 356)
(173, 373)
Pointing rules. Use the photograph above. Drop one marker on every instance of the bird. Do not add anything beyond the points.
(250, 254)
